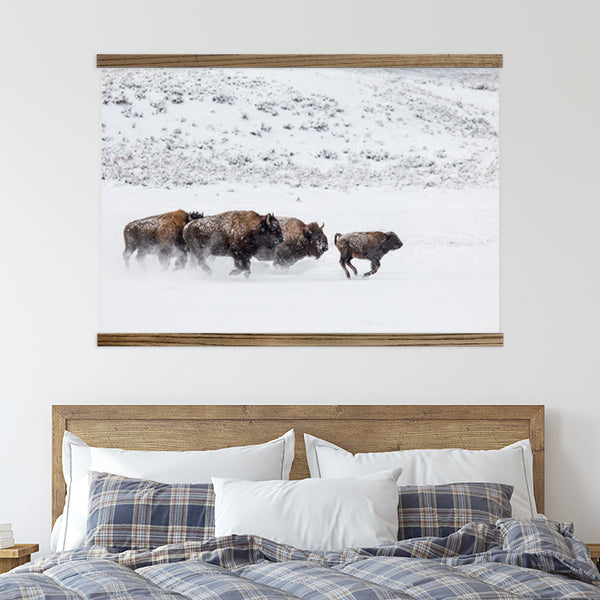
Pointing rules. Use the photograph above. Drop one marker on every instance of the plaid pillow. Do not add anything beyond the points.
(129, 513)
(439, 510)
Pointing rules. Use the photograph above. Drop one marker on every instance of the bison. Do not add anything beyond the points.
(299, 241)
(239, 234)
(162, 234)
(372, 245)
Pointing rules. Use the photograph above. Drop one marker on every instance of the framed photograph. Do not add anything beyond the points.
(300, 200)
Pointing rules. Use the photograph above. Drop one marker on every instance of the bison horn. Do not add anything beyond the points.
(322, 225)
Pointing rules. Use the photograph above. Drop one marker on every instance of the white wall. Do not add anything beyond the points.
(49, 189)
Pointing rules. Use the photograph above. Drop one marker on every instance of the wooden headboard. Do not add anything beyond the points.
(365, 428)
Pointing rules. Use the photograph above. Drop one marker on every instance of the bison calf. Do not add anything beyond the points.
(299, 241)
(239, 234)
(371, 245)
(162, 234)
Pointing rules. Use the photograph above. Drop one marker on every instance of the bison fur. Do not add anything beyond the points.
(159, 234)
(299, 241)
(370, 245)
(239, 234)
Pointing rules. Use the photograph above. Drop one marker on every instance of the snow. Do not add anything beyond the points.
(303, 127)
(444, 278)
(411, 151)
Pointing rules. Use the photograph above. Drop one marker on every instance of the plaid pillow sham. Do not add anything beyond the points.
(439, 510)
(126, 513)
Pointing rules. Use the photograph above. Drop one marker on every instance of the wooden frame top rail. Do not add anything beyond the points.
(300, 339)
(299, 60)
(358, 428)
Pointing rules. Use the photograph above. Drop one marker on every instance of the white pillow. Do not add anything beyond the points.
(512, 465)
(272, 460)
(311, 514)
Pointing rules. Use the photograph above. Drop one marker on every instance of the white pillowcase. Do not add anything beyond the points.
(272, 460)
(311, 514)
(512, 465)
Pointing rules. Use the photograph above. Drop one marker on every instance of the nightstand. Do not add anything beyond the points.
(595, 550)
(19, 554)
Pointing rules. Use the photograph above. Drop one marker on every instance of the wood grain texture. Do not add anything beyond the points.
(299, 60)
(19, 550)
(17, 555)
(6, 564)
(59, 426)
(595, 554)
(300, 339)
(358, 428)
(594, 550)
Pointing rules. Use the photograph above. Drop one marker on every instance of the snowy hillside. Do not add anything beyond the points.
(325, 128)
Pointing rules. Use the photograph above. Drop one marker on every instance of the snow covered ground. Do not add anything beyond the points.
(412, 151)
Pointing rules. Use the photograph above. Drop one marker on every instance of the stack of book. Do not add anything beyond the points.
(6, 536)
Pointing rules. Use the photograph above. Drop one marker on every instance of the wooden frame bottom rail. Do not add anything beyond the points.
(301, 339)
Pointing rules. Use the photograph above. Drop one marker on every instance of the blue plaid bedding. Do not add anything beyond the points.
(512, 560)
(438, 510)
(126, 513)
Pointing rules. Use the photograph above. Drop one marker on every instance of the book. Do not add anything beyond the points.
(7, 542)
(4, 527)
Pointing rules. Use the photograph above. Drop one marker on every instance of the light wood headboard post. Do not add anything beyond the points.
(357, 428)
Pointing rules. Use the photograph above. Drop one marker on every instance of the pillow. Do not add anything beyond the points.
(439, 510)
(311, 514)
(511, 465)
(129, 514)
(272, 460)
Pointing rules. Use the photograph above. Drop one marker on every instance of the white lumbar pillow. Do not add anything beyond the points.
(271, 460)
(311, 514)
(512, 465)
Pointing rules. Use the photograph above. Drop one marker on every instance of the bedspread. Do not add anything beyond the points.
(514, 559)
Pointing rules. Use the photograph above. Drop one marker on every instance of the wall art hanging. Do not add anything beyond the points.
(300, 200)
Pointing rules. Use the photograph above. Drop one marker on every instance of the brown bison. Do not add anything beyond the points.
(372, 245)
(236, 233)
(299, 241)
(162, 234)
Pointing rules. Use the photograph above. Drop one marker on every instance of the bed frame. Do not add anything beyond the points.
(355, 428)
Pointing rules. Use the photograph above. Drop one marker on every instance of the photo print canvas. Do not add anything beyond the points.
(300, 200)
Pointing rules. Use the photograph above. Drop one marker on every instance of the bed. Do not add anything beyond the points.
(509, 558)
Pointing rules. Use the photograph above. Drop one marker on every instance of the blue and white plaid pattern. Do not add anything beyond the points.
(305, 580)
(127, 513)
(536, 535)
(549, 543)
(199, 580)
(439, 510)
(434, 580)
(105, 579)
(470, 564)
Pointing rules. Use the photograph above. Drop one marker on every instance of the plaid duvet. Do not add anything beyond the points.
(478, 562)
